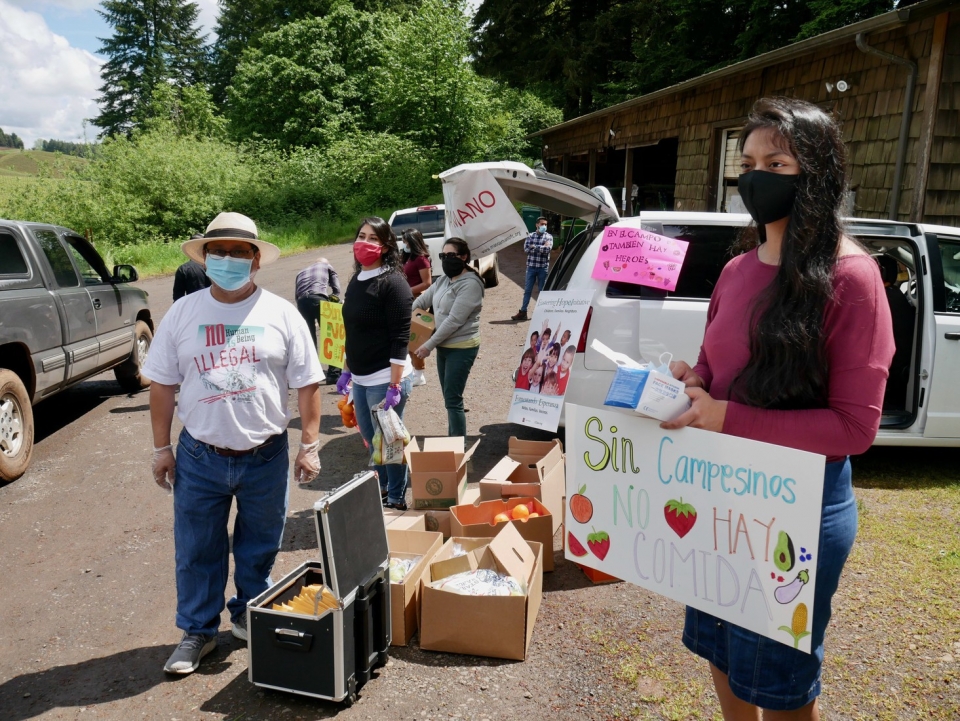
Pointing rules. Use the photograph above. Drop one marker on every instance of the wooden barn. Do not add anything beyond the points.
(893, 81)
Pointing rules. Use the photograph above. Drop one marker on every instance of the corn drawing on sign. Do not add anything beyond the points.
(312, 601)
(798, 626)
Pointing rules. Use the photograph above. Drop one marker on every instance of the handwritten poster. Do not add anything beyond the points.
(332, 335)
(724, 524)
(543, 368)
(631, 255)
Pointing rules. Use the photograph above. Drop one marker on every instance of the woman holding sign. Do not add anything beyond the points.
(795, 352)
(376, 320)
(456, 298)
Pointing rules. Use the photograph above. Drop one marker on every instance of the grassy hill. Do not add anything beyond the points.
(32, 163)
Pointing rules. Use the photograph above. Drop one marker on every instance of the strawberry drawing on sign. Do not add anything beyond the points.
(680, 516)
(599, 543)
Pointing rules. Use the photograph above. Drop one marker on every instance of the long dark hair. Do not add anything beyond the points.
(418, 248)
(462, 249)
(788, 366)
(384, 233)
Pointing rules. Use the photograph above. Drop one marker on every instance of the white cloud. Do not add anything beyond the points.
(75, 5)
(47, 86)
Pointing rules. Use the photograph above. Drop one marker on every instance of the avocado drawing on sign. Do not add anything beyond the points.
(783, 555)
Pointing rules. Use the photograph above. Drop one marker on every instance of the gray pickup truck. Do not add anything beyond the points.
(63, 318)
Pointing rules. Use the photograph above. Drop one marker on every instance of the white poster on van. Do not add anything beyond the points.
(726, 525)
(478, 211)
(544, 366)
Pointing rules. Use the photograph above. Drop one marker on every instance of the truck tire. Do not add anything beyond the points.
(128, 373)
(16, 427)
(491, 279)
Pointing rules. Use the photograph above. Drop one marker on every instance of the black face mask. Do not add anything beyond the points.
(768, 196)
(452, 267)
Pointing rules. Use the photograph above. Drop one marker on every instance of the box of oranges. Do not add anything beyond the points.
(485, 519)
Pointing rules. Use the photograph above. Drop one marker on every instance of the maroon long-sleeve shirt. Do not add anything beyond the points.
(859, 347)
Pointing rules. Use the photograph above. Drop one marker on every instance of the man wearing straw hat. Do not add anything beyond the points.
(234, 349)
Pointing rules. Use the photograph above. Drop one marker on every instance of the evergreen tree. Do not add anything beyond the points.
(10, 141)
(154, 41)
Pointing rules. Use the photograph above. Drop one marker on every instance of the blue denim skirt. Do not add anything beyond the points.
(762, 671)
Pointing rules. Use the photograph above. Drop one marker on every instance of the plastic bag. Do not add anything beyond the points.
(481, 582)
(382, 452)
(400, 567)
(391, 426)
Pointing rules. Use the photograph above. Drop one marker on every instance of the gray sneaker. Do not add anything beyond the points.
(240, 628)
(186, 657)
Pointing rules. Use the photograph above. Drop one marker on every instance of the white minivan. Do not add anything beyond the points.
(645, 322)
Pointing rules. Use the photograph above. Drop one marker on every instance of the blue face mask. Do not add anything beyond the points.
(542, 229)
(229, 273)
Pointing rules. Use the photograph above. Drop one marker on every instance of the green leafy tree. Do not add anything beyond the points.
(241, 24)
(153, 42)
(10, 141)
(187, 111)
(308, 81)
(426, 88)
(588, 54)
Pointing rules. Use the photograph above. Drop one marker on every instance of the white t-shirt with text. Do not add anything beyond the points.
(235, 363)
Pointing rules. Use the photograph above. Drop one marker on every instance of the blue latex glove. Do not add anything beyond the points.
(392, 398)
(343, 383)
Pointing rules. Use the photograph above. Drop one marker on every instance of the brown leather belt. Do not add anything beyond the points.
(230, 453)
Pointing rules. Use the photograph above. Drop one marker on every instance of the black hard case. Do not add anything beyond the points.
(332, 655)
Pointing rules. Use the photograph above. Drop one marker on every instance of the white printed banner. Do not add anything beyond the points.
(724, 524)
(543, 368)
(478, 211)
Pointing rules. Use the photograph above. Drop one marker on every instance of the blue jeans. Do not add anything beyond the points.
(762, 671)
(205, 486)
(538, 275)
(393, 478)
(453, 365)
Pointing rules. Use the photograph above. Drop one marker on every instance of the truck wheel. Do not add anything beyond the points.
(16, 427)
(491, 279)
(128, 373)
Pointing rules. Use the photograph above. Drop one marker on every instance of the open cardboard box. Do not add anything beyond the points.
(476, 521)
(403, 520)
(532, 469)
(495, 626)
(422, 325)
(438, 473)
(434, 520)
(405, 595)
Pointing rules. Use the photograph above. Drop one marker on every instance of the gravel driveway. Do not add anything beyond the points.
(87, 599)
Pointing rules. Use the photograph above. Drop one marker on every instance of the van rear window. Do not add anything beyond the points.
(710, 248)
(426, 221)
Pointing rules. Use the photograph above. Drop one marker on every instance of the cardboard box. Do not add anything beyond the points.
(532, 469)
(470, 496)
(403, 520)
(435, 520)
(495, 626)
(405, 595)
(422, 325)
(438, 473)
(476, 521)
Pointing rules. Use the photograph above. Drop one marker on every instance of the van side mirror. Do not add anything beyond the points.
(124, 274)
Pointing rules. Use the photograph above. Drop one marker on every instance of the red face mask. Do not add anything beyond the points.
(366, 253)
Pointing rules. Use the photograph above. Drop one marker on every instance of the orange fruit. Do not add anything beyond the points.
(534, 515)
(501, 518)
(520, 512)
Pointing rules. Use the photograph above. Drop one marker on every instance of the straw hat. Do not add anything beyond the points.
(231, 226)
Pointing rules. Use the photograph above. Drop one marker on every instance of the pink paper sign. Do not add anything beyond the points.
(631, 255)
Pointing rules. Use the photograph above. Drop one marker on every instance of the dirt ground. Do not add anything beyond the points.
(87, 600)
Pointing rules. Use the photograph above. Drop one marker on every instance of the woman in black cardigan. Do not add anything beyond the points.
(376, 317)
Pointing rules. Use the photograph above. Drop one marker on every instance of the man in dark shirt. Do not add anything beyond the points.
(316, 283)
(189, 278)
(903, 316)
